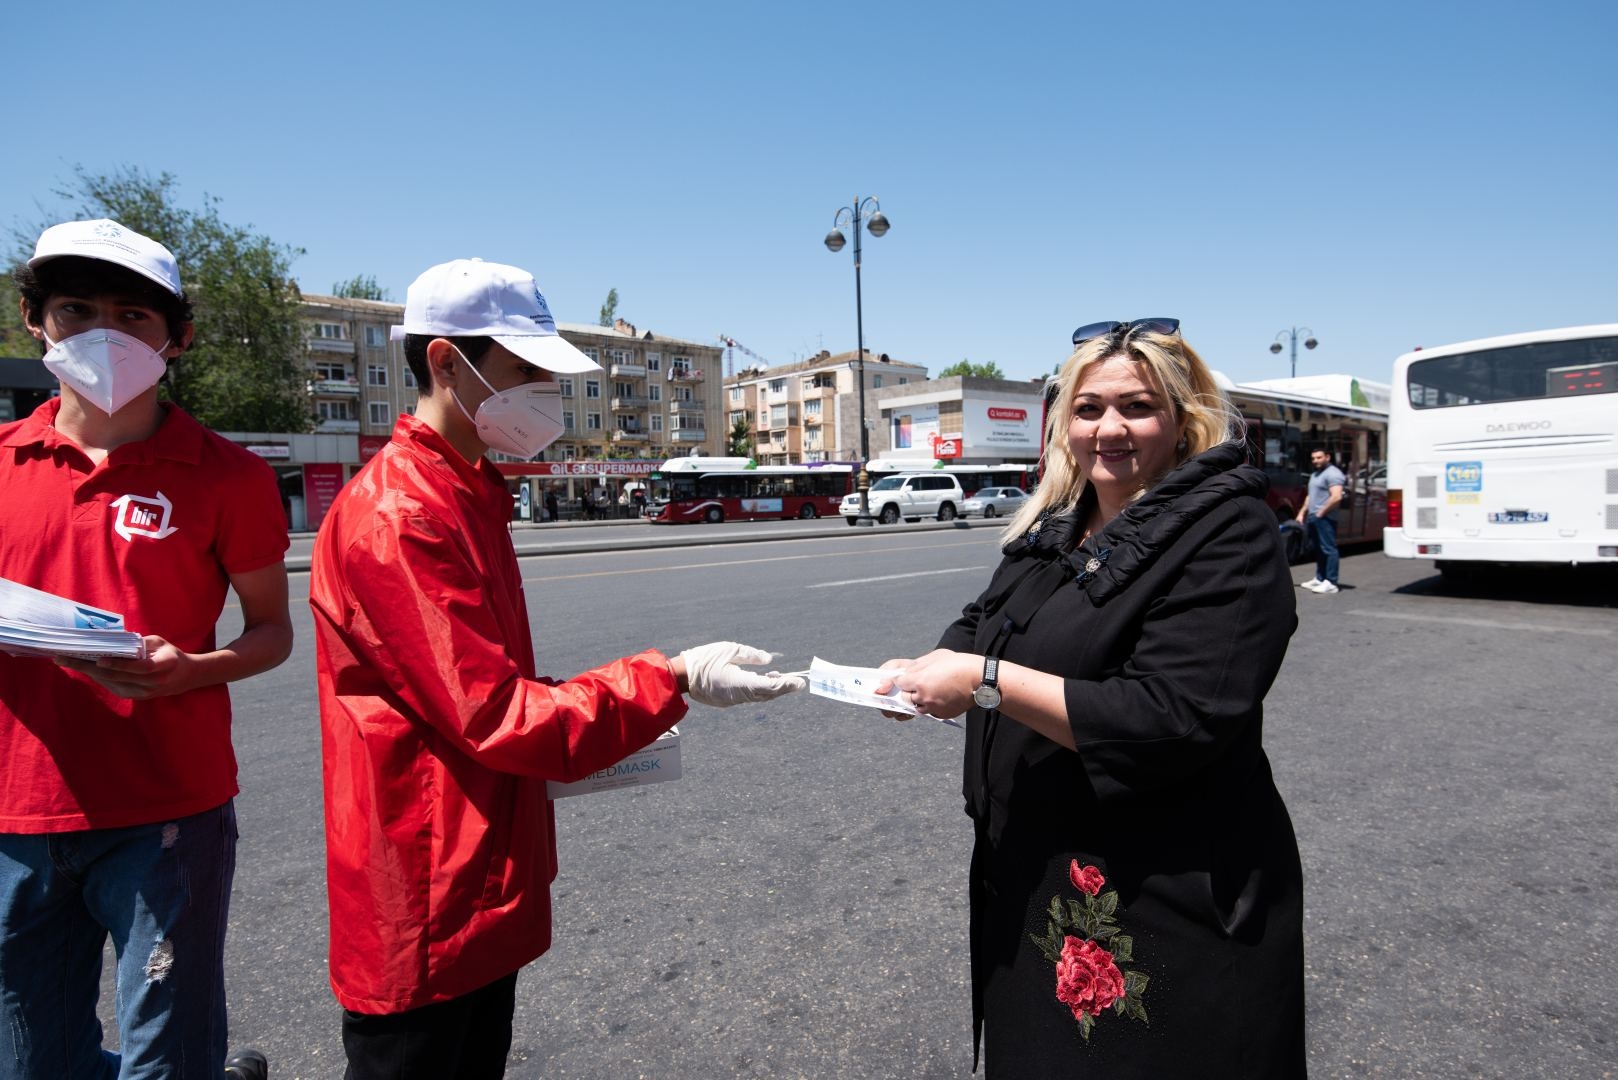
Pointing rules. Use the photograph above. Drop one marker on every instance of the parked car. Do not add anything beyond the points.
(911, 496)
(994, 501)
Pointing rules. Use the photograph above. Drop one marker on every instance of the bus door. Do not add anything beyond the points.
(1353, 455)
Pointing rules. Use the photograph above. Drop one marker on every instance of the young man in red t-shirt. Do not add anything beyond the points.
(117, 776)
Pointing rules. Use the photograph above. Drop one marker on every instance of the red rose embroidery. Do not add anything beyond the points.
(1083, 939)
(1087, 980)
(1086, 879)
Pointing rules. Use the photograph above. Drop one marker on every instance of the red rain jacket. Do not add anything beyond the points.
(438, 738)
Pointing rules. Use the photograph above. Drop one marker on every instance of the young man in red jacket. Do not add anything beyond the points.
(438, 735)
(117, 777)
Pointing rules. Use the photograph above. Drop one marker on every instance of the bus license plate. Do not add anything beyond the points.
(1518, 517)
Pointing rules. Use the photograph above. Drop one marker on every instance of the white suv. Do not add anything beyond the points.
(911, 496)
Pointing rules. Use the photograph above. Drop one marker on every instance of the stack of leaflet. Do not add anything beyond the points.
(35, 623)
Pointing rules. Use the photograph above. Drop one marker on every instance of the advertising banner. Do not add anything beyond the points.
(322, 480)
(912, 426)
(993, 430)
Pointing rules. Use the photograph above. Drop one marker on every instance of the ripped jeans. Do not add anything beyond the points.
(163, 892)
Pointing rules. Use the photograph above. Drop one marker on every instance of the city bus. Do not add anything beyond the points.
(714, 489)
(1505, 450)
(1287, 419)
(972, 477)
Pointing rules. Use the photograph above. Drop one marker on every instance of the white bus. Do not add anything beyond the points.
(1505, 450)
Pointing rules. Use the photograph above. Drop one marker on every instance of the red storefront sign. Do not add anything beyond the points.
(370, 445)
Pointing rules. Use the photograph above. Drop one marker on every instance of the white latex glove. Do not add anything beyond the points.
(713, 677)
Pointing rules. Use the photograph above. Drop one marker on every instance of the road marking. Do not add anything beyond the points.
(1487, 624)
(896, 577)
(726, 562)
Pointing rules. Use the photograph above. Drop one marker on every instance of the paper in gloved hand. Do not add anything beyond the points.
(857, 686)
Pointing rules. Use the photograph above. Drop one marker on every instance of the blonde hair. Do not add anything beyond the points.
(1202, 413)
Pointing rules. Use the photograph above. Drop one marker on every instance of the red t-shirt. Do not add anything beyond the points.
(152, 532)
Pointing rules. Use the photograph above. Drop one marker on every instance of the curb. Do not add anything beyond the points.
(688, 536)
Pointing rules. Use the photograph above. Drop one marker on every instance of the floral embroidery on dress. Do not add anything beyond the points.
(1085, 943)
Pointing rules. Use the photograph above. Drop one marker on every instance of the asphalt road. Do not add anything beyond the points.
(795, 905)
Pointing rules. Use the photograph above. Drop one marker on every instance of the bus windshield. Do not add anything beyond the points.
(1516, 373)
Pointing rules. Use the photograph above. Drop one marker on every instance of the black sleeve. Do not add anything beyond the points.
(1208, 651)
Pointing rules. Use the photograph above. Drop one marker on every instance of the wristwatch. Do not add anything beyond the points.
(987, 695)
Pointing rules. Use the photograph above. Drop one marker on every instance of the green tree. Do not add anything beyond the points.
(989, 370)
(246, 369)
(609, 310)
(360, 287)
(740, 443)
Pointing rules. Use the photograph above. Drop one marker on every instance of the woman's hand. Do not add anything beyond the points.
(938, 684)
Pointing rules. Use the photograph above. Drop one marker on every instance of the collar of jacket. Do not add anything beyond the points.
(1148, 526)
(482, 479)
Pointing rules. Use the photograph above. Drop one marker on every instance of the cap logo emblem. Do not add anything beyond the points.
(544, 310)
(108, 229)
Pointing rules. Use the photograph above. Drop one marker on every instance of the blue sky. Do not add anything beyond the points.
(1388, 175)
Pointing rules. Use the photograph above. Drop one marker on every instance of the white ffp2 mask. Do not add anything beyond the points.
(521, 421)
(108, 368)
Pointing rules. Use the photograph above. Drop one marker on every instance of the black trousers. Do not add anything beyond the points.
(465, 1038)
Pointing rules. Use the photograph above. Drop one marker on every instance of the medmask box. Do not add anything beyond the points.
(653, 764)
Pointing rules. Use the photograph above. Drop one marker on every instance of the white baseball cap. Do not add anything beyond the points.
(109, 241)
(473, 298)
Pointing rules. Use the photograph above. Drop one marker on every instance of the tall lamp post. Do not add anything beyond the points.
(1309, 342)
(866, 213)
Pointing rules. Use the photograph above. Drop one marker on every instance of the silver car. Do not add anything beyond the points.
(994, 501)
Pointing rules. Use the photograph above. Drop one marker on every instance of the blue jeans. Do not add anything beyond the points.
(163, 892)
(1323, 534)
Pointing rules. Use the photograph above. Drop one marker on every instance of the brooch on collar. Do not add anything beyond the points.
(1092, 565)
(1032, 535)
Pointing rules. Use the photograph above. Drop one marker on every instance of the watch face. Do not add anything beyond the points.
(987, 697)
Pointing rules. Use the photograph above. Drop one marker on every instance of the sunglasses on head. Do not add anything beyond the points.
(1093, 330)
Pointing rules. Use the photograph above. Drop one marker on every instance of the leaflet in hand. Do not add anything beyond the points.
(35, 623)
(857, 686)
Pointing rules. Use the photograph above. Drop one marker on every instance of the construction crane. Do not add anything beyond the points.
(731, 344)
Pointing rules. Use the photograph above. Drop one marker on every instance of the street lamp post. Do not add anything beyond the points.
(1309, 342)
(867, 213)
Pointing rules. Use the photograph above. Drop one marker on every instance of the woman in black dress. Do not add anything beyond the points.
(1136, 893)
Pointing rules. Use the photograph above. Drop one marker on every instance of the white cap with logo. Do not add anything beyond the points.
(109, 241)
(473, 298)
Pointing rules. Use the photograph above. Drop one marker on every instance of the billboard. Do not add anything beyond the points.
(993, 429)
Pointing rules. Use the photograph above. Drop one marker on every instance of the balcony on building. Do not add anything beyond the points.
(689, 435)
(337, 427)
(629, 404)
(678, 407)
(628, 435)
(335, 387)
(684, 374)
(626, 371)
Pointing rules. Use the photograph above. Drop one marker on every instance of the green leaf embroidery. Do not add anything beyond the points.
(1086, 1022)
(1123, 950)
(1109, 901)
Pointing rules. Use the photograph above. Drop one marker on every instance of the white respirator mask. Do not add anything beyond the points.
(108, 368)
(521, 421)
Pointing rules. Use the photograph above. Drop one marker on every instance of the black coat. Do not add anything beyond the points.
(1169, 627)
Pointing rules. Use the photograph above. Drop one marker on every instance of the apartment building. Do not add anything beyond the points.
(654, 398)
(809, 411)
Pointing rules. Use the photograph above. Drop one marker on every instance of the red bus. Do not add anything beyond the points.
(690, 489)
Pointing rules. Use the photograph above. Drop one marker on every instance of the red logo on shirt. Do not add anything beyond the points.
(141, 516)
